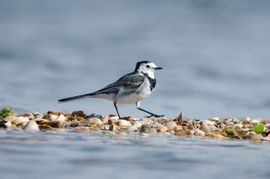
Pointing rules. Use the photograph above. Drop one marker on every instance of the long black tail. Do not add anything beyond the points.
(76, 97)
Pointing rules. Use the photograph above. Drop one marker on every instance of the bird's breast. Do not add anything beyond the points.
(142, 92)
(145, 89)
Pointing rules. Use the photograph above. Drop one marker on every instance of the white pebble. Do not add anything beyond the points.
(171, 125)
(31, 126)
(60, 118)
(123, 123)
(96, 121)
(20, 120)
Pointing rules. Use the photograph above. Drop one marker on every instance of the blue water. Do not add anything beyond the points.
(215, 56)
(72, 155)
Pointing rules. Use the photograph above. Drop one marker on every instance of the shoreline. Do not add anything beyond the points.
(78, 121)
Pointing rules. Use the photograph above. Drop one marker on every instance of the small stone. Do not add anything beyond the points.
(146, 128)
(138, 124)
(198, 132)
(205, 128)
(8, 124)
(60, 117)
(29, 115)
(178, 128)
(113, 117)
(172, 132)
(235, 120)
(190, 124)
(105, 119)
(58, 129)
(162, 129)
(95, 121)
(55, 113)
(132, 129)
(180, 133)
(171, 125)
(123, 123)
(217, 135)
(78, 114)
(114, 128)
(256, 121)
(54, 124)
(180, 118)
(10, 118)
(228, 121)
(239, 126)
(106, 127)
(155, 124)
(215, 119)
(256, 136)
(31, 126)
(248, 119)
(81, 129)
(20, 120)
(38, 115)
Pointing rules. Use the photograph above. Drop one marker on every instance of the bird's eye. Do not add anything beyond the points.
(147, 66)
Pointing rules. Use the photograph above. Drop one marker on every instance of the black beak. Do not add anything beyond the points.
(158, 68)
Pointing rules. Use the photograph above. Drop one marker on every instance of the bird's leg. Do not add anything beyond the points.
(151, 114)
(117, 110)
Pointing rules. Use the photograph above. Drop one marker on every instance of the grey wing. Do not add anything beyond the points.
(129, 82)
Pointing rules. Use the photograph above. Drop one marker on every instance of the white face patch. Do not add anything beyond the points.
(152, 65)
(148, 68)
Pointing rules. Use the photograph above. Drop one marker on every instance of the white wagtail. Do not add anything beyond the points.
(131, 88)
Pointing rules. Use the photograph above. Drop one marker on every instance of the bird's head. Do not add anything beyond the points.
(147, 67)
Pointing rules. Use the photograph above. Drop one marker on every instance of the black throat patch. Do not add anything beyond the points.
(151, 80)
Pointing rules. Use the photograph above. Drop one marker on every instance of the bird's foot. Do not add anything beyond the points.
(154, 115)
(126, 117)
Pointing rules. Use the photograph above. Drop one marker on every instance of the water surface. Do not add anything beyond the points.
(95, 155)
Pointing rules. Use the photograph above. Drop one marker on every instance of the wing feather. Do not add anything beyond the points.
(130, 82)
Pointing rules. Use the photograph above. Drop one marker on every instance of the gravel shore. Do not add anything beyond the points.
(78, 121)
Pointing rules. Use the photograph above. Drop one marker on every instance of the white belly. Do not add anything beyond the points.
(142, 92)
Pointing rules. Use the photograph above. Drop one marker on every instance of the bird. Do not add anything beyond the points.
(131, 88)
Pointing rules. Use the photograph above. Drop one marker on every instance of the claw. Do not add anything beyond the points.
(154, 115)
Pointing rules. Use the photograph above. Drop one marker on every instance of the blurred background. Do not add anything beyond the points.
(215, 54)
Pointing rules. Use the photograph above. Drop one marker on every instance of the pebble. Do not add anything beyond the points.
(107, 127)
(178, 128)
(132, 129)
(218, 135)
(31, 126)
(162, 129)
(10, 118)
(147, 128)
(256, 136)
(123, 123)
(198, 132)
(171, 125)
(20, 120)
(256, 121)
(113, 117)
(54, 117)
(138, 124)
(29, 115)
(95, 121)
(81, 129)
(204, 127)
(8, 124)
(105, 119)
